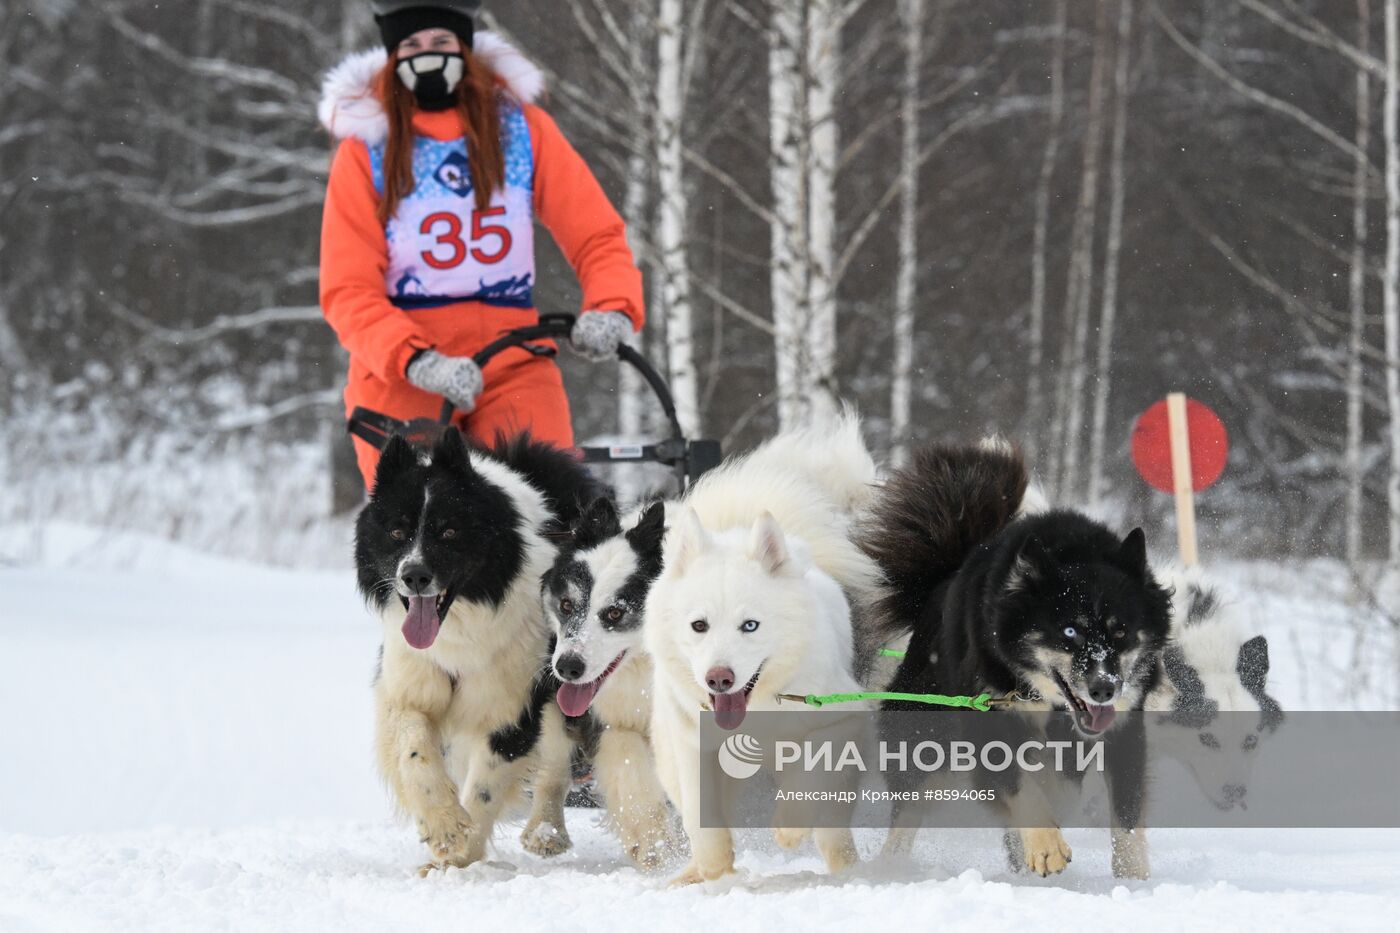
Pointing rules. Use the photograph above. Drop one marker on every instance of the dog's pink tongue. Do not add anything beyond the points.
(1101, 717)
(574, 699)
(420, 629)
(730, 708)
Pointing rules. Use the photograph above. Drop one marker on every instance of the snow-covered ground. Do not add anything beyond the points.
(185, 746)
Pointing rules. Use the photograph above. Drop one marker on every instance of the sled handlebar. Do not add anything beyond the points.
(558, 327)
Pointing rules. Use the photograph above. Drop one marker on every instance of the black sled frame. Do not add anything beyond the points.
(687, 459)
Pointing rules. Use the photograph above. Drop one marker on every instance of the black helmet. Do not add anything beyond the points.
(399, 19)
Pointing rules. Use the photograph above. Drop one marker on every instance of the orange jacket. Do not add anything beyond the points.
(567, 199)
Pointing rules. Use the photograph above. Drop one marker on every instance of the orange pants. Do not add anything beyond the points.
(523, 392)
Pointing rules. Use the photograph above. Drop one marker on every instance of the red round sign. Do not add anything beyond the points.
(1152, 449)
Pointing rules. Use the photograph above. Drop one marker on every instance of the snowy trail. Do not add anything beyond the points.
(359, 877)
(187, 747)
(168, 688)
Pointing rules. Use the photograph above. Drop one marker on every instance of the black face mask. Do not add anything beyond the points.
(433, 78)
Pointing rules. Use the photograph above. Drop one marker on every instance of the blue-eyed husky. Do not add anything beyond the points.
(754, 599)
(1000, 597)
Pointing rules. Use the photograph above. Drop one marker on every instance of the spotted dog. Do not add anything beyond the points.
(1212, 667)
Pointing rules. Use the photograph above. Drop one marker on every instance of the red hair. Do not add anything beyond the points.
(480, 111)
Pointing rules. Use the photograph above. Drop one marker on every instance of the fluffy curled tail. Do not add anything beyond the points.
(929, 517)
(829, 453)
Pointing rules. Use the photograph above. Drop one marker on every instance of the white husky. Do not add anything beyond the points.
(753, 602)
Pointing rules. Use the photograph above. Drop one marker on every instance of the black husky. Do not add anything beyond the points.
(1052, 606)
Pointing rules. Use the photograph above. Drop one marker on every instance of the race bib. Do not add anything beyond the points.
(442, 248)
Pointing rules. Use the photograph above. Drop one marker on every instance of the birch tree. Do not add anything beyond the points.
(1109, 315)
(823, 55)
(911, 20)
(804, 68)
(1355, 385)
(635, 83)
(1079, 283)
(20, 128)
(1035, 388)
(788, 158)
(636, 205)
(650, 50)
(673, 208)
(1392, 265)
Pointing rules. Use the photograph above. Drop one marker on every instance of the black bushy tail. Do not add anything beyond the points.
(929, 517)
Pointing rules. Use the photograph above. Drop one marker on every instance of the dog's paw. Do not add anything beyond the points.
(694, 874)
(838, 850)
(427, 869)
(447, 836)
(545, 840)
(900, 841)
(1130, 854)
(651, 848)
(697, 872)
(688, 876)
(789, 838)
(1046, 851)
(1014, 851)
(645, 857)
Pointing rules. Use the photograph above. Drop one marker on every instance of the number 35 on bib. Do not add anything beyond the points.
(442, 248)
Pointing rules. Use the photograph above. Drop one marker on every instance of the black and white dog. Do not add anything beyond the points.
(1050, 605)
(1213, 669)
(450, 551)
(594, 597)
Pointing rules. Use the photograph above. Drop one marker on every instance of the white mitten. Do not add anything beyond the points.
(455, 378)
(597, 334)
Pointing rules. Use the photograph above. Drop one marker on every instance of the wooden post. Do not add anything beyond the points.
(1181, 478)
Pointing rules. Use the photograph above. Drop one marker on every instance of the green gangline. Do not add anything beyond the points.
(981, 702)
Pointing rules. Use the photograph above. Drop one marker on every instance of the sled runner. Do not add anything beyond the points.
(688, 459)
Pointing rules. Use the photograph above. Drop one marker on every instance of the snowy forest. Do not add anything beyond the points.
(963, 216)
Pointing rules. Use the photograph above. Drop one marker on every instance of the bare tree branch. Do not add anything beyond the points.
(732, 185)
(1318, 35)
(1246, 90)
(257, 417)
(734, 308)
(221, 326)
(245, 75)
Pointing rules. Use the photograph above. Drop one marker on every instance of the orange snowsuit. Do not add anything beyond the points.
(383, 313)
